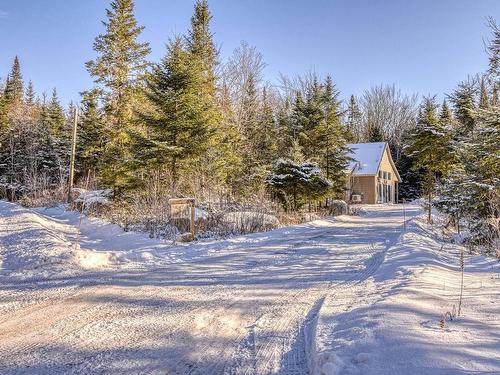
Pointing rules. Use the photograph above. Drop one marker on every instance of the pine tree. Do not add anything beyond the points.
(493, 48)
(118, 71)
(334, 151)
(464, 104)
(175, 129)
(90, 139)
(231, 168)
(250, 130)
(375, 134)
(14, 88)
(208, 168)
(266, 147)
(313, 128)
(298, 118)
(201, 46)
(295, 183)
(445, 115)
(430, 146)
(484, 102)
(30, 94)
(354, 120)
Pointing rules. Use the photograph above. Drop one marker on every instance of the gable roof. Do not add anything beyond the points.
(367, 158)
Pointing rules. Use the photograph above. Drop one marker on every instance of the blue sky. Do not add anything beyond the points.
(423, 46)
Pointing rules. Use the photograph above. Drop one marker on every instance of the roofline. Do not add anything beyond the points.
(386, 145)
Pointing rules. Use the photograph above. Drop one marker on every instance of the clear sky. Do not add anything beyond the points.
(423, 46)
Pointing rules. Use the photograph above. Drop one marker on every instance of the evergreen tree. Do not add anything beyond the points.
(250, 130)
(334, 152)
(118, 70)
(484, 102)
(30, 94)
(14, 88)
(298, 118)
(493, 48)
(175, 128)
(296, 183)
(354, 120)
(430, 146)
(90, 139)
(445, 115)
(266, 147)
(204, 54)
(464, 104)
(375, 134)
(202, 47)
(230, 158)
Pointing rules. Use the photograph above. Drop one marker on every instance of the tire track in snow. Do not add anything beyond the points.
(275, 352)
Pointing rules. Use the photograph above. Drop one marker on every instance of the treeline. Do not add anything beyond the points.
(457, 151)
(193, 125)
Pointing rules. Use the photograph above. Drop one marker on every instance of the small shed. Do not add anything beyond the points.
(372, 174)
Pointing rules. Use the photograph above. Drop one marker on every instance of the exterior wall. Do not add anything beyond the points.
(386, 166)
(364, 185)
(368, 186)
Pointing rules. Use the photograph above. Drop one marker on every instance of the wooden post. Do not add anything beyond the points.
(183, 203)
(193, 219)
(72, 160)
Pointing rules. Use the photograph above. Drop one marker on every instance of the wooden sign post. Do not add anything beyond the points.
(184, 208)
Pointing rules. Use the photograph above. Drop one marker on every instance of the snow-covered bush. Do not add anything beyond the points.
(249, 221)
(293, 184)
(91, 199)
(337, 207)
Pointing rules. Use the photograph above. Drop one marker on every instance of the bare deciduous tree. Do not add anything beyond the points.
(390, 111)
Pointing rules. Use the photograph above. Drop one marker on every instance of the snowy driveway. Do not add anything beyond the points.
(246, 305)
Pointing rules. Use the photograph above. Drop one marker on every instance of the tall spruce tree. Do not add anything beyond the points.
(354, 120)
(464, 103)
(14, 88)
(484, 101)
(430, 146)
(210, 166)
(334, 151)
(91, 136)
(117, 71)
(175, 128)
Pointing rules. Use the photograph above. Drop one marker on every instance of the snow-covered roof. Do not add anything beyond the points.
(367, 158)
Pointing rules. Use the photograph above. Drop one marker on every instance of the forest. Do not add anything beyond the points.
(192, 125)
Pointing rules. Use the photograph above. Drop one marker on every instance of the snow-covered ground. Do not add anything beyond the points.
(340, 296)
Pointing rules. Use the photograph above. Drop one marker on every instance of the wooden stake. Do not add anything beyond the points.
(193, 219)
(72, 160)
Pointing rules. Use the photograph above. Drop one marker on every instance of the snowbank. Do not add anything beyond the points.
(39, 247)
(249, 221)
(395, 327)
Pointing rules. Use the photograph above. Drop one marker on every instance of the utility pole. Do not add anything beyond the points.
(72, 160)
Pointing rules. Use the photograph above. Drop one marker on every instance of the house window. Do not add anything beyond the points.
(379, 174)
(385, 175)
(388, 175)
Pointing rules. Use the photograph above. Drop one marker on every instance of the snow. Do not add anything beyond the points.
(367, 157)
(396, 322)
(92, 197)
(346, 295)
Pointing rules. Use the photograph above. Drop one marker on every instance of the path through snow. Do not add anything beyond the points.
(122, 303)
